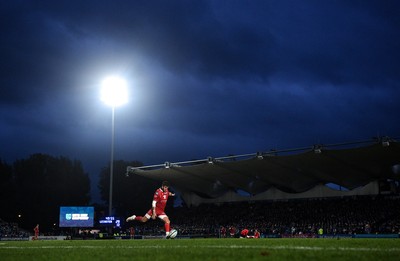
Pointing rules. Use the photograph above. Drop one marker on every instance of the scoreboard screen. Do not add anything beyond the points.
(76, 216)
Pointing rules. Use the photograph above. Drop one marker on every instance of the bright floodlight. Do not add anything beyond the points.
(114, 91)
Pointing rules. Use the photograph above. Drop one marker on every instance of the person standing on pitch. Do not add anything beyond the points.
(160, 199)
(36, 230)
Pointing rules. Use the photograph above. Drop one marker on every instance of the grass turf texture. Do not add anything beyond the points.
(203, 249)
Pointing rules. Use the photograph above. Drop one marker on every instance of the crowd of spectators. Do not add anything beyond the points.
(292, 218)
(11, 230)
(379, 214)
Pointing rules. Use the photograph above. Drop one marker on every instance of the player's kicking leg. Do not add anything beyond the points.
(138, 218)
(131, 218)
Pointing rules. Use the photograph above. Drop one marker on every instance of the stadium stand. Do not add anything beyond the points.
(358, 167)
(11, 230)
(292, 218)
(286, 192)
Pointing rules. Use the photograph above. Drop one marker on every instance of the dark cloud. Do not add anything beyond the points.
(207, 78)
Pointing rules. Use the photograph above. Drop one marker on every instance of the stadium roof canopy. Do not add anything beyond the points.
(349, 165)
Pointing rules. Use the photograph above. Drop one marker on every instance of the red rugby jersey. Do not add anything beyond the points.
(161, 197)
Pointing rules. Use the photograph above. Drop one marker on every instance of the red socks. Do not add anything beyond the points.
(166, 226)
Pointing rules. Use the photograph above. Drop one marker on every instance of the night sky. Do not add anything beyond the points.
(206, 78)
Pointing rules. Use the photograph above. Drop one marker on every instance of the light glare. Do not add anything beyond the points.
(114, 91)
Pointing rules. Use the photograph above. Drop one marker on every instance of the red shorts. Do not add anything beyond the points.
(159, 213)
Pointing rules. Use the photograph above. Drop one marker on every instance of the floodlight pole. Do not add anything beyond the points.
(113, 93)
(110, 200)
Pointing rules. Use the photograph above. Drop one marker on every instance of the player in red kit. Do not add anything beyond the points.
(160, 199)
(132, 232)
(244, 233)
(36, 230)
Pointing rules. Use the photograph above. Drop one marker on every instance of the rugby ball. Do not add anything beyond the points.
(173, 233)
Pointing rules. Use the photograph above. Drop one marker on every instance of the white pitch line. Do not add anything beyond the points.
(363, 249)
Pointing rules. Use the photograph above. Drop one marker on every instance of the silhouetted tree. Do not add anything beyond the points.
(7, 193)
(44, 183)
(130, 194)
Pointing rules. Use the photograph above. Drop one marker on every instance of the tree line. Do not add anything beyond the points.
(33, 189)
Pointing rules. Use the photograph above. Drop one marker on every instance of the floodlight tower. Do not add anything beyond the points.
(114, 92)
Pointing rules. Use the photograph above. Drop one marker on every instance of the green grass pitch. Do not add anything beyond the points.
(203, 249)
